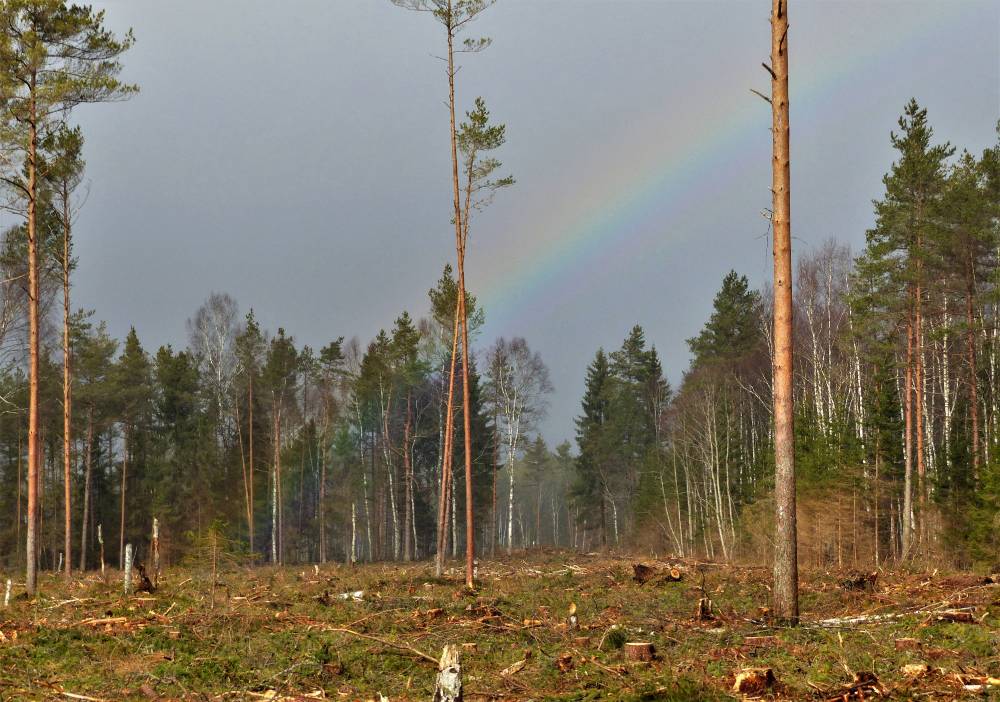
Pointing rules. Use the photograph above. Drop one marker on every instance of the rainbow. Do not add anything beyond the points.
(642, 178)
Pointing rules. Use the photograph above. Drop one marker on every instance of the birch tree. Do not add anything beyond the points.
(519, 385)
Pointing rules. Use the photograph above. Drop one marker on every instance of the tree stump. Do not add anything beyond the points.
(448, 687)
(639, 651)
(144, 585)
(128, 569)
(860, 581)
(642, 572)
(703, 613)
(754, 681)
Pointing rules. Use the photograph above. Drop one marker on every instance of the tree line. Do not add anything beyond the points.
(896, 421)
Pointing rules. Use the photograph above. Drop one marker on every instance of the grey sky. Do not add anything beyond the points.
(294, 154)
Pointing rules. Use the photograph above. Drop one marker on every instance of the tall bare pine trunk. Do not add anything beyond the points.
(31, 547)
(786, 589)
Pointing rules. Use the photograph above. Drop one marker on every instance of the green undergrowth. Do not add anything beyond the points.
(282, 632)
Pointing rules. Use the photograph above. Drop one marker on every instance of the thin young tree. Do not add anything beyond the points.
(65, 171)
(53, 57)
(454, 16)
(786, 586)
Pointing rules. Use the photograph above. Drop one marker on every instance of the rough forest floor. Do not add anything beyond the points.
(346, 633)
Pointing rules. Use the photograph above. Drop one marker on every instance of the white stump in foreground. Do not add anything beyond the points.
(449, 679)
(6, 595)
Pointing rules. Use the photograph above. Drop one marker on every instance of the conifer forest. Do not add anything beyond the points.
(804, 505)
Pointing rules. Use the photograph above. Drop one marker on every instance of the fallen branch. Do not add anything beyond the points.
(868, 618)
(384, 642)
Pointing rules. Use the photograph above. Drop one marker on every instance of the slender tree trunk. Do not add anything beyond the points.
(408, 482)
(876, 491)
(322, 501)
(970, 352)
(918, 409)
(250, 467)
(462, 311)
(67, 388)
(510, 504)
(493, 510)
(907, 517)
(31, 546)
(446, 462)
(786, 595)
(20, 500)
(121, 525)
(87, 481)
(275, 491)
(243, 467)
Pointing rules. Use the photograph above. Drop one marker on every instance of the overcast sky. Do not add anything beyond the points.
(294, 154)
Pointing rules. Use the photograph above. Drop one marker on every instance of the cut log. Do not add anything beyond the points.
(449, 679)
(639, 651)
(754, 681)
(673, 575)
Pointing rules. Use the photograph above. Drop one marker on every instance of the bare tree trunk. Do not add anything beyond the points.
(918, 410)
(250, 467)
(907, 516)
(876, 486)
(407, 483)
(20, 474)
(67, 387)
(493, 510)
(322, 504)
(87, 479)
(510, 505)
(354, 533)
(276, 491)
(449, 419)
(246, 479)
(786, 595)
(970, 351)
(31, 546)
(470, 544)
(121, 526)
